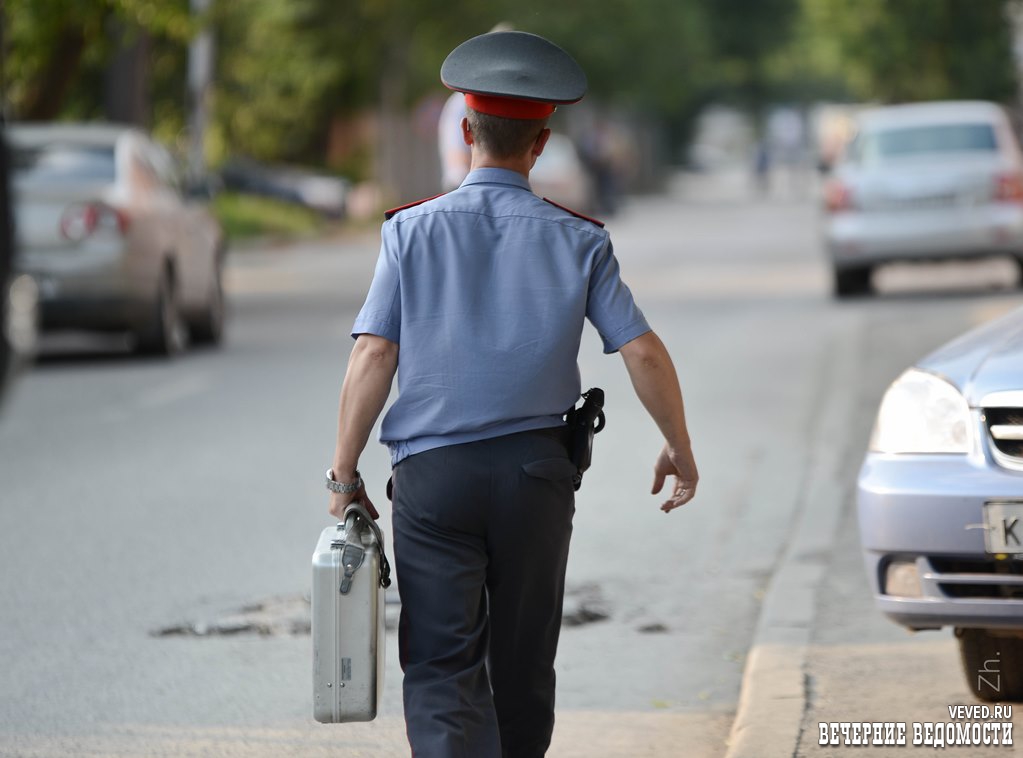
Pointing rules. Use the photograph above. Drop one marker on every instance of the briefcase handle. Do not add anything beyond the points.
(355, 512)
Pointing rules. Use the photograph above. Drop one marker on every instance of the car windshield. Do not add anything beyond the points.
(64, 163)
(874, 146)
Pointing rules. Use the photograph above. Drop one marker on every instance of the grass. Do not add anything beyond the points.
(250, 216)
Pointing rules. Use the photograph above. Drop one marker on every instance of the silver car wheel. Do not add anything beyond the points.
(167, 334)
(851, 281)
(209, 328)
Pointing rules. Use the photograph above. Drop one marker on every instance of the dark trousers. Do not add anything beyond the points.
(481, 535)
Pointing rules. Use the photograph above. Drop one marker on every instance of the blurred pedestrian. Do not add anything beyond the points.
(486, 290)
(454, 152)
(787, 136)
(762, 167)
(597, 154)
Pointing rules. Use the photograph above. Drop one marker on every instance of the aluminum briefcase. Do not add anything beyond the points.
(350, 573)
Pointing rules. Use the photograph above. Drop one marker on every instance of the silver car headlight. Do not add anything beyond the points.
(922, 413)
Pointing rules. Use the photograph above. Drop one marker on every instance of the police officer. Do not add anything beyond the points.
(478, 302)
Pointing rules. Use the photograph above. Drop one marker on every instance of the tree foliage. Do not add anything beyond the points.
(284, 68)
(920, 49)
(55, 50)
(276, 61)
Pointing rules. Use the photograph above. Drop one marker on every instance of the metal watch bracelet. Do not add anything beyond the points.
(343, 489)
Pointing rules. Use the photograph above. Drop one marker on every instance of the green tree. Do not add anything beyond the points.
(276, 60)
(55, 51)
(285, 67)
(745, 35)
(920, 49)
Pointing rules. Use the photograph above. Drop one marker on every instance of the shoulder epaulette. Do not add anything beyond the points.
(577, 214)
(388, 214)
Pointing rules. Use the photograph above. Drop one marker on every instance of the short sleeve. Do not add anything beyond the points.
(610, 306)
(381, 313)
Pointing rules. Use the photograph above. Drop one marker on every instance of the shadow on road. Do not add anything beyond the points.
(63, 350)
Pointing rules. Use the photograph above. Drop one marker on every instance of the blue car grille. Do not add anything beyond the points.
(1003, 424)
(981, 578)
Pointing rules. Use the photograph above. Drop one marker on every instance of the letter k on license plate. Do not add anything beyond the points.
(1004, 532)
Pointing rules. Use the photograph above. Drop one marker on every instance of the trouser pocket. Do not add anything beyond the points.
(551, 469)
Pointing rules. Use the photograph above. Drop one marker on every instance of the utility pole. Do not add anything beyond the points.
(200, 74)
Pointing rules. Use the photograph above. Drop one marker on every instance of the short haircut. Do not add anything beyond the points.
(503, 137)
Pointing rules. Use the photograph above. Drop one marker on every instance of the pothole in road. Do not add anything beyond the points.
(584, 604)
(289, 616)
(653, 628)
(276, 617)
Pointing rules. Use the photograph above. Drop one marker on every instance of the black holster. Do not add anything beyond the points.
(584, 422)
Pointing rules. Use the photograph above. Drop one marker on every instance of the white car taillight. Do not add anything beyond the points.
(837, 197)
(84, 219)
(1009, 188)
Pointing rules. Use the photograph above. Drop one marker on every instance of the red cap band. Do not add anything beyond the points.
(508, 107)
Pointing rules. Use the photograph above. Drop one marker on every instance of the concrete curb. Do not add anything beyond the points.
(773, 698)
(772, 701)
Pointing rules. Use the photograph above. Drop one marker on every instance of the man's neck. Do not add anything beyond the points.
(521, 165)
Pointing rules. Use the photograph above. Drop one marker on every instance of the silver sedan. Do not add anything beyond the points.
(925, 181)
(111, 242)
(940, 498)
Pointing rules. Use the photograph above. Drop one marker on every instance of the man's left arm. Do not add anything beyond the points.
(364, 392)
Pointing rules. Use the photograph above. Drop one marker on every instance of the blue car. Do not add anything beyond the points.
(940, 498)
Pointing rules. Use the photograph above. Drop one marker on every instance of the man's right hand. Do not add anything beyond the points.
(656, 384)
(681, 465)
(339, 501)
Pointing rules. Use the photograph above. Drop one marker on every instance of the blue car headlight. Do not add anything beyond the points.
(922, 413)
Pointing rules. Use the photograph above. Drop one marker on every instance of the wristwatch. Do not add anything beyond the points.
(343, 489)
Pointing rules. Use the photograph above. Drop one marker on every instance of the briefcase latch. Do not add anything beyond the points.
(353, 554)
(351, 558)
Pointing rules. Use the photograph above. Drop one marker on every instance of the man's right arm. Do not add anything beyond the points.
(656, 383)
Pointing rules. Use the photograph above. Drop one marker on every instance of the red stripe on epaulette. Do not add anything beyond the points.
(388, 214)
(577, 214)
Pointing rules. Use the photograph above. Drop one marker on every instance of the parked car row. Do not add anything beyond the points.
(319, 192)
(109, 238)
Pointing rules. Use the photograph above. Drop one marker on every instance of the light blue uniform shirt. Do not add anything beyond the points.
(485, 289)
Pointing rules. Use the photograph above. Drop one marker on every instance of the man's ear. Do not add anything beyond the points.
(541, 142)
(466, 132)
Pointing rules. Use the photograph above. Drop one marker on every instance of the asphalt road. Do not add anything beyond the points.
(142, 499)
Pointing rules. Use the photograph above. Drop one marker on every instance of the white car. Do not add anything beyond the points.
(109, 239)
(925, 181)
(940, 500)
(559, 174)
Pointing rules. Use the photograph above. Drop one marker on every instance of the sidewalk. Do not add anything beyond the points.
(773, 699)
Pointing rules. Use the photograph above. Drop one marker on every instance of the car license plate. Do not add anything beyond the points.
(1004, 527)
